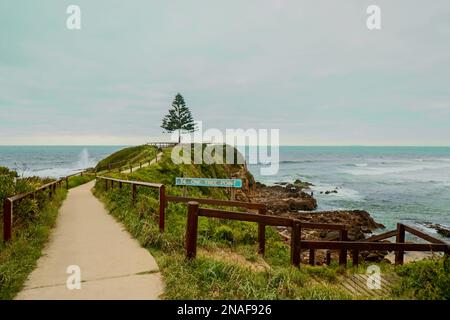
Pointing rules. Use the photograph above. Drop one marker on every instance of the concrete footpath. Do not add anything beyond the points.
(113, 265)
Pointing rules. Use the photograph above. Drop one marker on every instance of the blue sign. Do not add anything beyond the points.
(205, 182)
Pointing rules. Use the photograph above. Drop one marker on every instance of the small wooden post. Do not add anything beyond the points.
(191, 230)
(133, 194)
(131, 169)
(162, 207)
(7, 219)
(295, 243)
(120, 184)
(343, 252)
(328, 257)
(312, 257)
(109, 167)
(81, 173)
(355, 257)
(400, 238)
(112, 184)
(140, 165)
(262, 234)
(67, 183)
(106, 185)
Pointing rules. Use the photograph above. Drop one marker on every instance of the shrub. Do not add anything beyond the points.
(224, 234)
(425, 280)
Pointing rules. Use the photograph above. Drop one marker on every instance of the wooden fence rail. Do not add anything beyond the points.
(8, 205)
(109, 182)
(297, 244)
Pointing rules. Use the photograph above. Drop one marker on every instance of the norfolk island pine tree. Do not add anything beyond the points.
(179, 118)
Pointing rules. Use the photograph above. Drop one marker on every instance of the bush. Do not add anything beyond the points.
(424, 280)
(224, 234)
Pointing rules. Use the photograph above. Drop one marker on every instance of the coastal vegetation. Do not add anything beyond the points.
(33, 220)
(228, 266)
(127, 156)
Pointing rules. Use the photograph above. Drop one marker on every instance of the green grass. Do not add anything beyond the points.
(425, 280)
(19, 256)
(127, 156)
(76, 181)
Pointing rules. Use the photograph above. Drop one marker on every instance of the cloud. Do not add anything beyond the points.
(310, 68)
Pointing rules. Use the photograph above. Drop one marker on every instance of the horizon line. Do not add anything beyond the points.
(280, 145)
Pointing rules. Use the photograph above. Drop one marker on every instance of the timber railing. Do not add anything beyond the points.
(297, 244)
(162, 144)
(259, 207)
(109, 183)
(9, 203)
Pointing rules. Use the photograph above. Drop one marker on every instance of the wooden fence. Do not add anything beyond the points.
(109, 183)
(340, 244)
(297, 244)
(161, 145)
(8, 203)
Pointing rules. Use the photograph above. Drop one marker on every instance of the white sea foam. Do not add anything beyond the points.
(343, 193)
(394, 169)
(361, 164)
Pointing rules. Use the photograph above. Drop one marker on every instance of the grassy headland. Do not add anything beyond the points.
(127, 156)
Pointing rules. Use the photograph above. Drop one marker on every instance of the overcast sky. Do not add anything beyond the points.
(309, 68)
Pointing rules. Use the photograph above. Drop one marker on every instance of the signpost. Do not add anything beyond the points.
(205, 182)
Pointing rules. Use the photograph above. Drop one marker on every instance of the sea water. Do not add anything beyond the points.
(52, 161)
(394, 184)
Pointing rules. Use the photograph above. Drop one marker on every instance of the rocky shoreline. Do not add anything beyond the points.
(296, 200)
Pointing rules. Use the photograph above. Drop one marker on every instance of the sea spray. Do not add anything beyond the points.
(83, 159)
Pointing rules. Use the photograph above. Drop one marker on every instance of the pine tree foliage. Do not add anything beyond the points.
(179, 118)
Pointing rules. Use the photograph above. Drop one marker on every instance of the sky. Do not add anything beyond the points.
(311, 69)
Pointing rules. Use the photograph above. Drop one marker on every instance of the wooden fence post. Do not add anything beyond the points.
(328, 258)
(355, 257)
(262, 234)
(162, 207)
(67, 183)
(343, 252)
(7, 219)
(133, 194)
(106, 185)
(191, 230)
(312, 257)
(131, 169)
(400, 238)
(295, 243)
(120, 185)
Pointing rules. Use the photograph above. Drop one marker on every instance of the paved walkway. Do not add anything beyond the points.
(113, 265)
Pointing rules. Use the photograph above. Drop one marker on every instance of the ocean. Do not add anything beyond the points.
(394, 184)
